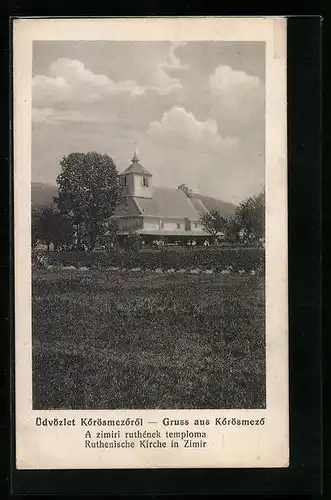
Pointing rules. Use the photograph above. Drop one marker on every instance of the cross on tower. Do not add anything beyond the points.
(135, 157)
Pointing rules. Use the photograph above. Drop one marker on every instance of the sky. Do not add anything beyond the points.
(194, 111)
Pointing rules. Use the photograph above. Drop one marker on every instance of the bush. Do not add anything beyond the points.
(132, 242)
(166, 258)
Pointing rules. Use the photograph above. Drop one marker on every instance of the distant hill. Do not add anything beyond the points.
(42, 194)
(225, 209)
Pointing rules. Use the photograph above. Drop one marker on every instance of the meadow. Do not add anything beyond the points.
(104, 340)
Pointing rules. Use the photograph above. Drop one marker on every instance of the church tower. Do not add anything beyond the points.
(136, 180)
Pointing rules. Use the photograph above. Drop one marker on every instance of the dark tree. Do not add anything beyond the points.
(50, 226)
(35, 227)
(251, 216)
(88, 192)
(109, 236)
(133, 242)
(213, 222)
(233, 230)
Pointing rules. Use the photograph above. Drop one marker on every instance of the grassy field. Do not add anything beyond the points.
(104, 340)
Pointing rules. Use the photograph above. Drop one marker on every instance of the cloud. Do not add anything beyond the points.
(158, 79)
(172, 60)
(161, 83)
(179, 148)
(225, 79)
(43, 115)
(70, 82)
(70, 91)
(178, 125)
(56, 116)
(236, 94)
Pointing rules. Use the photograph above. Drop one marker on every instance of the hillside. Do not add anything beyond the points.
(42, 194)
(225, 209)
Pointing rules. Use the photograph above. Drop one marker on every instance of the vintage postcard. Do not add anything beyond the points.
(150, 215)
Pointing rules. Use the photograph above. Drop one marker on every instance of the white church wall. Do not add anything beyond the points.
(151, 225)
(139, 189)
(172, 226)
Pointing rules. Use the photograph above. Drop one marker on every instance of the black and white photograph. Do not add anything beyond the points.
(148, 215)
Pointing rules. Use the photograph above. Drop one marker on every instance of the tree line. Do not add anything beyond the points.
(89, 191)
(247, 224)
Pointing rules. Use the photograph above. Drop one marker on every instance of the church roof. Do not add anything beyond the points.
(127, 208)
(136, 168)
(167, 202)
(198, 205)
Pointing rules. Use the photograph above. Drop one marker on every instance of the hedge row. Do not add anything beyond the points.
(211, 258)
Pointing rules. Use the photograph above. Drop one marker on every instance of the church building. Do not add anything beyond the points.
(156, 212)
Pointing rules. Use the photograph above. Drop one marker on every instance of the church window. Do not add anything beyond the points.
(178, 225)
(124, 181)
(162, 225)
(145, 181)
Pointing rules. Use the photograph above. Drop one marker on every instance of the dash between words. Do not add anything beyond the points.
(138, 422)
